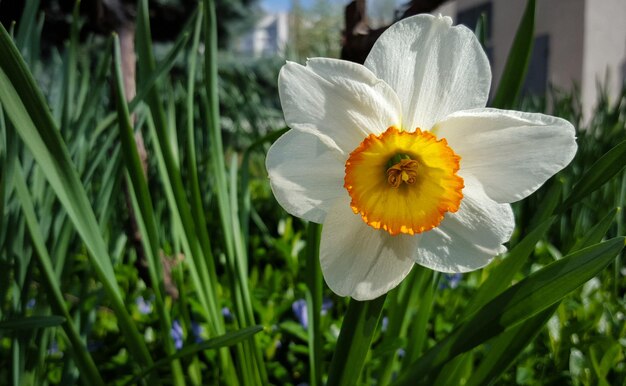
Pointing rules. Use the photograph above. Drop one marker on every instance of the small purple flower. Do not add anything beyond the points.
(384, 324)
(327, 304)
(197, 331)
(54, 348)
(228, 316)
(177, 334)
(30, 304)
(94, 346)
(300, 311)
(144, 306)
(450, 280)
(401, 353)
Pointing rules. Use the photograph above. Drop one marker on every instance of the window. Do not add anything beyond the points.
(536, 82)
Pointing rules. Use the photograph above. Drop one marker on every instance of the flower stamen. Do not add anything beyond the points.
(404, 171)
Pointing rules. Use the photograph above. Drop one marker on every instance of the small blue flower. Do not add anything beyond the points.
(30, 304)
(197, 331)
(327, 304)
(401, 353)
(54, 348)
(300, 311)
(450, 280)
(94, 346)
(177, 334)
(144, 306)
(384, 324)
(228, 316)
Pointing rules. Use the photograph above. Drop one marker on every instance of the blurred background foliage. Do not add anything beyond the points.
(70, 54)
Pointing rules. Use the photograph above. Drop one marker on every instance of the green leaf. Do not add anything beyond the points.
(605, 354)
(226, 340)
(53, 289)
(354, 341)
(502, 275)
(166, 64)
(548, 203)
(25, 106)
(602, 171)
(506, 348)
(314, 302)
(517, 63)
(481, 30)
(32, 322)
(144, 216)
(520, 302)
(595, 234)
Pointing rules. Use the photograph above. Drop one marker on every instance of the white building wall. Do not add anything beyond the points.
(605, 49)
(586, 38)
(268, 38)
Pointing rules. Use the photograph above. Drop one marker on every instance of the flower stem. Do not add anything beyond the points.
(354, 341)
(314, 302)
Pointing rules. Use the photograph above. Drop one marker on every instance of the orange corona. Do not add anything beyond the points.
(403, 182)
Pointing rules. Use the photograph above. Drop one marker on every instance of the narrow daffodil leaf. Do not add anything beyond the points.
(506, 348)
(548, 203)
(502, 275)
(517, 63)
(595, 234)
(520, 302)
(314, 302)
(226, 340)
(602, 171)
(481, 29)
(81, 355)
(26, 107)
(354, 341)
(31, 322)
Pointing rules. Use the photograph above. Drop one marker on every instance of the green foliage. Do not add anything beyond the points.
(315, 31)
(103, 264)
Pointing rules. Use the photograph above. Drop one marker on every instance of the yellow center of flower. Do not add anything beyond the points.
(403, 182)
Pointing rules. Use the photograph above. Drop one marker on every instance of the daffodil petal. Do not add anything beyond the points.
(306, 175)
(360, 261)
(435, 69)
(511, 153)
(340, 101)
(470, 238)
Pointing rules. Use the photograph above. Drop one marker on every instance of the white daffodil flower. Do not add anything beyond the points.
(400, 160)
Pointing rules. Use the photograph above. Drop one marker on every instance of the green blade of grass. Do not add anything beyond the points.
(147, 85)
(192, 181)
(236, 252)
(26, 108)
(170, 174)
(68, 86)
(145, 215)
(80, 353)
(26, 27)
